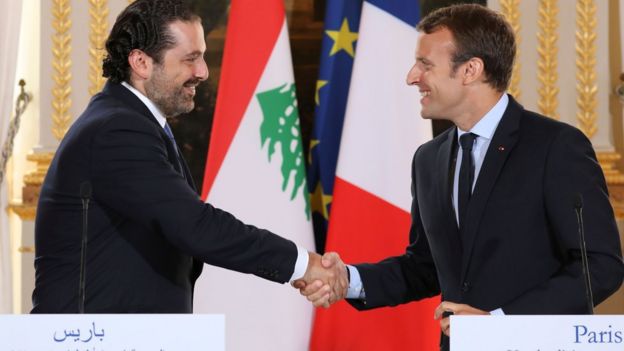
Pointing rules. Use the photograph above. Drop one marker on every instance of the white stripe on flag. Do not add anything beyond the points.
(382, 126)
(260, 315)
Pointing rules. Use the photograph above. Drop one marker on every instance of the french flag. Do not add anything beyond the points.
(370, 216)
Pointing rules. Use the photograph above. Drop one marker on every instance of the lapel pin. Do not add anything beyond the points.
(501, 148)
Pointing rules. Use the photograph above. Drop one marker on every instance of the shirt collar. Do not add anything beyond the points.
(486, 127)
(160, 118)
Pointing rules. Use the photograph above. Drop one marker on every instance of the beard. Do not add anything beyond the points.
(171, 99)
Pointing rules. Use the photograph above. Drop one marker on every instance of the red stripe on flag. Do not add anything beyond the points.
(253, 29)
(366, 228)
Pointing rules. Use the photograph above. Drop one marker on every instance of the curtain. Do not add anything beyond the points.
(10, 17)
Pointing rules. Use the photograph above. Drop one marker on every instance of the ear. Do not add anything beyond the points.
(473, 70)
(141, 64)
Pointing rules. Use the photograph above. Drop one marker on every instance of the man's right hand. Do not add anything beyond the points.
(325, 281)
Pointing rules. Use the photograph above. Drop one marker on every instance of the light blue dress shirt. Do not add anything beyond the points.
(484, 129)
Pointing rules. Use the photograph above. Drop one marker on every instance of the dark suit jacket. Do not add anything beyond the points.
(149, 232)
(519, 250)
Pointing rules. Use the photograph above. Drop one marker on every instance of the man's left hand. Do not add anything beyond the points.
(454, 308)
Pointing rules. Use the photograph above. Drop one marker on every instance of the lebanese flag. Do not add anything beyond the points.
(255, 170)
(371, 206)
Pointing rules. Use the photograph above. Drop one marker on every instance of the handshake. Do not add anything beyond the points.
(325, 281)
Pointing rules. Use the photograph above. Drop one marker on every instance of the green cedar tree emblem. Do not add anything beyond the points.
(280, 125)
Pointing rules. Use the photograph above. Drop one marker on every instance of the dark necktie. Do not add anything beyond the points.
(466, 175)
(170, 135)
(175, 146)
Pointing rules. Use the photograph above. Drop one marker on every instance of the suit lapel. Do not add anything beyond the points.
(186, 171)
(446, 167)
(501, 146)
(173, 154)
(445, 171)
(178, 161)
(175, 157)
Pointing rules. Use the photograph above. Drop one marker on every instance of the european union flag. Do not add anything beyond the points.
(342, 20)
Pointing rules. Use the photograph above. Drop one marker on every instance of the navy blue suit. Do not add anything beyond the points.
(519, 249)
(149, 232)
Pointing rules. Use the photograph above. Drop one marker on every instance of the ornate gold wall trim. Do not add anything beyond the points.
(25, 212)
(510, 9)
(615, 180)
(26, 249)
(27, 209)
(42, 161)
(98, 15)
(617, 201)
(61, 50)
(547, 38)
(608, 161)
(586, 86)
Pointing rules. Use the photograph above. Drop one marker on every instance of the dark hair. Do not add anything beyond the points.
(142, 25)
(478, 32)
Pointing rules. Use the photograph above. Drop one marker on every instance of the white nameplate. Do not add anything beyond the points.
(112, 332)
(537, 333)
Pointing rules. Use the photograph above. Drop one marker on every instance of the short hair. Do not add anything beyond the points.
(478, 32)
(143, 25)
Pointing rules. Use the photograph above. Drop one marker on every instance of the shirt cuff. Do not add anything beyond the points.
(355, 290)
(301, 265)
(497, 312)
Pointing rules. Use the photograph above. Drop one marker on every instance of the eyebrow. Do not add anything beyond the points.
(194, 54)
(424, 61)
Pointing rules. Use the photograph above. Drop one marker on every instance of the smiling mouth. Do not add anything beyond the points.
(425, 93)
(190, 89)
(191, 85)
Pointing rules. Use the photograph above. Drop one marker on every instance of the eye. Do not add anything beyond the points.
(424, 66)
(192, 59)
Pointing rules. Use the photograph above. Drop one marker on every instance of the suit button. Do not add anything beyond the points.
(465, 287)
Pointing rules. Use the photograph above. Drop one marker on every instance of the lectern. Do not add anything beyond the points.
(537, 333)
(101, 332)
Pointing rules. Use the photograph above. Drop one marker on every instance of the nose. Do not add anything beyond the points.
(201, 70)
(413, 76)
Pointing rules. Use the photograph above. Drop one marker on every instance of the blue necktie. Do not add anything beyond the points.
(170, 135)
(175, 146)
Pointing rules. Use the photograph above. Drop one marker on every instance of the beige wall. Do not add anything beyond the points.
(27, 63)
(35, 65)
(528, 12)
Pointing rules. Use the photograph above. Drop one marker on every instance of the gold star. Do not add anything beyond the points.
(319, 85)
(319, 201)
(313, 143)
(343, 39)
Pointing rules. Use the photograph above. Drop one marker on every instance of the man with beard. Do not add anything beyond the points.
(149, 232)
